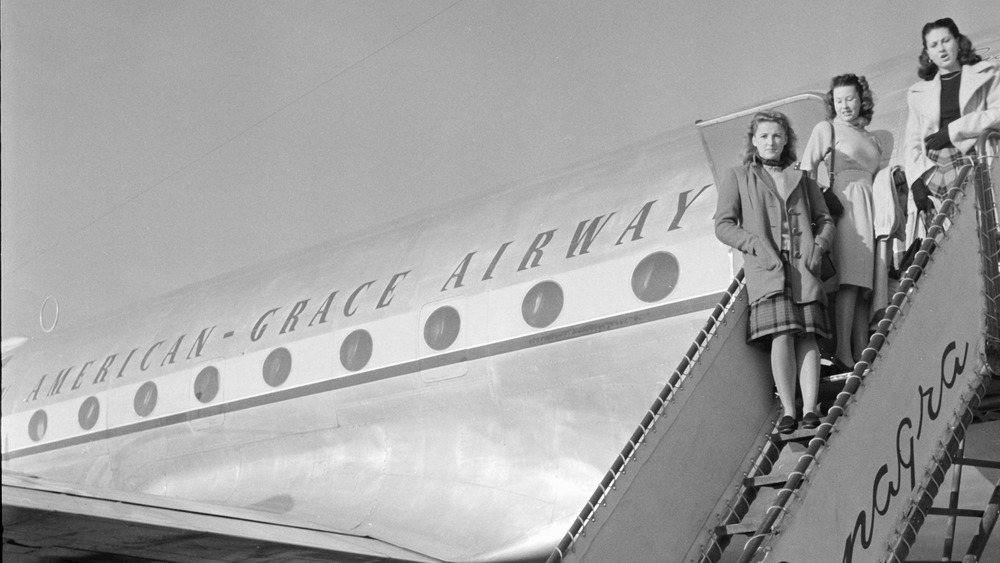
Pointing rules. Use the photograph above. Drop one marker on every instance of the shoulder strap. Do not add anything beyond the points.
(833, 150)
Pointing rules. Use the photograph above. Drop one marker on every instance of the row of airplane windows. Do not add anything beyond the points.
(652, 280)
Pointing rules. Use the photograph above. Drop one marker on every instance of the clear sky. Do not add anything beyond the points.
(147, 145)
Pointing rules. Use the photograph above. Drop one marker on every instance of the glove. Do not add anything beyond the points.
(920, 199)
(938, 141)
(768, 255)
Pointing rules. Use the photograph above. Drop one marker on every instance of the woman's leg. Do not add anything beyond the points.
(783, 370)
(807, 358)
(862, 318)
(844, 311)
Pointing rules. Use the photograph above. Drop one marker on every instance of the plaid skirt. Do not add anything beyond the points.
(948, 161)
(776, 314)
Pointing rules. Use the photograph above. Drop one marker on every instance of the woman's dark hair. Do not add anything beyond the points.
(787, 154)
(966, 54)
(864, 94)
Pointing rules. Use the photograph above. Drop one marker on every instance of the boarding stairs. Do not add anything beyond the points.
(705, 477)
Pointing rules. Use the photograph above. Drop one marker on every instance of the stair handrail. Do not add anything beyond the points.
(653, 413)
(950, 449)
(934, 233)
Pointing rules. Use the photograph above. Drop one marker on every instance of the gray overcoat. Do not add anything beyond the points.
(750, 212)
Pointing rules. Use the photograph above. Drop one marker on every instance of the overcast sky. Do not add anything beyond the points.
(147, 145)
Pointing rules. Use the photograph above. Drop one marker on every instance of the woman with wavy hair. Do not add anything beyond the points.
(775, 215)
(853, 156)
(957, 99)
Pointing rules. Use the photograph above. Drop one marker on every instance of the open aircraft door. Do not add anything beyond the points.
(723, 137)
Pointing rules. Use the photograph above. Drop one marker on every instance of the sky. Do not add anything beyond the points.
(147, 145)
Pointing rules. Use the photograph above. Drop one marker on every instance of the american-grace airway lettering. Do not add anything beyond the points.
(305, 313)
(930, 408)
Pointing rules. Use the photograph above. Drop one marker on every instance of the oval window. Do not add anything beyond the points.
(655, 276)
(38, 425)
(277, 366)
(441, 328)
(89, 411)
(206, 384)
(356, 350)
(542, 304)
(145, 399)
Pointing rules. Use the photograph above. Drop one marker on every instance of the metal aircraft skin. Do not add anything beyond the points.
(452, 388)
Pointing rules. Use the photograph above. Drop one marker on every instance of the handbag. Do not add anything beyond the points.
(827, 268)
(906, 260)
(832, 201)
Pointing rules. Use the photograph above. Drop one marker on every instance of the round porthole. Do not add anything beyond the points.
(441, 328)
(145, 399)
(277, 366)
(37, 426)
(542, 304)
(206, 384)
(356, 350)
(89, 411)
(655, 276)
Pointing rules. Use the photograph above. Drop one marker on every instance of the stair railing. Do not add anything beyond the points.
(653, 413)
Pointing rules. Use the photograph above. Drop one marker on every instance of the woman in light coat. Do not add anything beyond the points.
(958, 99)
(777, 218)
(856, 155)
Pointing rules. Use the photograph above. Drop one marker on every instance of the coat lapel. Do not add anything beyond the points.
(929, 98)
(973, 78)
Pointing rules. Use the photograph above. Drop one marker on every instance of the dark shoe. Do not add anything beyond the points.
(787, 425)
(810, 421)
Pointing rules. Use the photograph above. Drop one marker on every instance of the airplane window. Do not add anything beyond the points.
(277, 366)
(356, 350)
(441, 328)
(206, 384)
(145, 399)
(542, 304)
(655, 276)
(37, 426)
(89, 411)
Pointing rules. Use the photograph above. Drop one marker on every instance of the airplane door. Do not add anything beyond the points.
(723, 137)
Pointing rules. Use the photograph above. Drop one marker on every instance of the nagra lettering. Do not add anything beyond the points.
(864, 524)
(943, 383)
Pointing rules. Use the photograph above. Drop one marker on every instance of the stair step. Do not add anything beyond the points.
(971, 462)
(955, 512)
(799, 435)
(770, 480)
(744, 527)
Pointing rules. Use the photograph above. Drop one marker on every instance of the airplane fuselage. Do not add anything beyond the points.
(478, 366)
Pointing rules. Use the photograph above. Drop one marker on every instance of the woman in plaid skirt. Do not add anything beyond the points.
(958, 99)
(777, 218)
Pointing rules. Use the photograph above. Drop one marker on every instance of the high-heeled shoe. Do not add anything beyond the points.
(786, 425)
